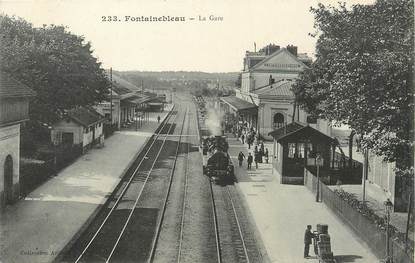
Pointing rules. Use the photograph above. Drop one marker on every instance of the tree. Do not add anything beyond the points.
(55, 63)
(363, 75)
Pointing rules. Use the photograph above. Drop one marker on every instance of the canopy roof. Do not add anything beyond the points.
(238, 104)
(298, 132)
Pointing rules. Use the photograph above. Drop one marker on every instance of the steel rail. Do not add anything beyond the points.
(238, 224)
(124, 189)
(160, 223)
(184, 200)
(215, 223)
(139, 195)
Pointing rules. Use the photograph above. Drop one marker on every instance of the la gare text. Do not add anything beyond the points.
(161, 18)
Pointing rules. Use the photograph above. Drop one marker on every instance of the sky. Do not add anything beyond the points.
(192, 45)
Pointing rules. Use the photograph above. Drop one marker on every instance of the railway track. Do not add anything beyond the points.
(235, 241)
(160, 222)
(187, 233)
(104, 243)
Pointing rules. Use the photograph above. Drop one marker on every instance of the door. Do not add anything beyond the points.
(8, 179)
(67, 138)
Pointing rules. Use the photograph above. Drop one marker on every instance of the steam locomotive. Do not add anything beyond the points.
(217, 163)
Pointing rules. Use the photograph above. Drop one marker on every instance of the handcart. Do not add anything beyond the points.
(322, 245)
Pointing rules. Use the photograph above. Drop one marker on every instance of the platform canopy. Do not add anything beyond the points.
(299, 132)
(238, 104)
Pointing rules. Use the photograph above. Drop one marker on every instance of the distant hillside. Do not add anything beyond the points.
(183, 75)
(180, 79)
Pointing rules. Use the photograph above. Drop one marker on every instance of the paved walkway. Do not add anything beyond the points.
(281, 213)
(36, 228)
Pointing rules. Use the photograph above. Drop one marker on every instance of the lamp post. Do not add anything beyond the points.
(318, 159)
(388, 209)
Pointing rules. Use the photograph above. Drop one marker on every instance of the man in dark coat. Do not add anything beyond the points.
(258, 158)
(249, 160)
(241, 157)
(266, 155)
(308, 236)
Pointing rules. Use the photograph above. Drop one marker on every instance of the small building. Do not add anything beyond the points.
(82, 127)
(296, 147)
(14, 110)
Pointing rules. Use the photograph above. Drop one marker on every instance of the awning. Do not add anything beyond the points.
(238, 104)
(298, 132)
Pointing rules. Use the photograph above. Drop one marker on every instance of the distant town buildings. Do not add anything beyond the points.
(14, 110)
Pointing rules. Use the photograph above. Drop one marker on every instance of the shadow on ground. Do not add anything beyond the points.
(346, 258)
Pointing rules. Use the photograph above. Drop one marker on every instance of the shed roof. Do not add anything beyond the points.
(10, 87)
(287, 129)
(296, 131)
(85, 116)
(237, 103)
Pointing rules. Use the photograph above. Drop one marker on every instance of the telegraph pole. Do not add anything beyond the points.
(111, 98)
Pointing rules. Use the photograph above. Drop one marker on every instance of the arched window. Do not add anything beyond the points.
(278, 120)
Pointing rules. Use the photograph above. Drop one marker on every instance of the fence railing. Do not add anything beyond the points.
(341, 161)
(367, 230)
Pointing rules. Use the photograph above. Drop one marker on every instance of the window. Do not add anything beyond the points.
(291, 150)
(278, 121)
(300, 150)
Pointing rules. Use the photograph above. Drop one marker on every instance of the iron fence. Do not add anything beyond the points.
(369, 231)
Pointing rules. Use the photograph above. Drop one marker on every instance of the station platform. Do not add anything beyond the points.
(38, 227)
(282, 212)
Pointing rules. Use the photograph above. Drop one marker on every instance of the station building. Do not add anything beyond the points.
(265, 99)
(14, 110)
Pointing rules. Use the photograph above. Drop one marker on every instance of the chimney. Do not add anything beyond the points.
(292, 49)
(273, 48)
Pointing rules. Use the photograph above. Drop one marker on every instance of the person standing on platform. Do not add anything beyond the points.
(257, 158)
(243, 138)
(241, 157)
(249, 160)
(158, 119)
(266, 155)
(308, 236)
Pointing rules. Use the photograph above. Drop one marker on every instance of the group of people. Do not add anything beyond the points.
(259, 153)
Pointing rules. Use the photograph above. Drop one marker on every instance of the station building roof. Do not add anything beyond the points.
(282, 89)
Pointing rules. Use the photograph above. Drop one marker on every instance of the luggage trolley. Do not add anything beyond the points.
(322, 245)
